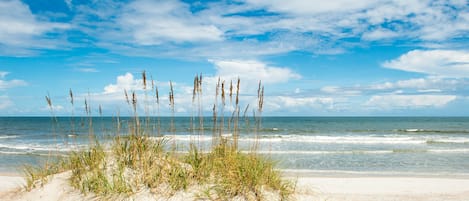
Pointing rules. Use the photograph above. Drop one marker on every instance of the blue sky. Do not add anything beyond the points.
(315, 58)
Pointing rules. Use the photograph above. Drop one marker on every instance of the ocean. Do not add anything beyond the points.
(316, 145)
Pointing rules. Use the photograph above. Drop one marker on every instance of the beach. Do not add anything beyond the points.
(320, 188)
(330, 159)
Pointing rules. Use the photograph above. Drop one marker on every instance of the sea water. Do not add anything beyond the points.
(355, 145)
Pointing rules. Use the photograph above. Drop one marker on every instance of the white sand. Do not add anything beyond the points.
(308, 188)
(382, 188)
(56, 189)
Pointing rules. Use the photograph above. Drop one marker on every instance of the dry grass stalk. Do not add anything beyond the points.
(214, 129)
(134, 102)
(196, 87)
(200, 83)
(87, 110)
(231, 172)
(195, 91)
(72, 118)
(231, 91)
(246, 119)
(237, 92)
(136, 117)
(223, 102)
(215, 120)
(71, 96)
(236, 117)
(157, 96)
(49, 101)
(230, 105)
(100, 109)
(146, 105)
(144, 78)
(126, 97)
(171, 104)
(201, 118)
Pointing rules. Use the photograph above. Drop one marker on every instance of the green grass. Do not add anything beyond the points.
(138, 161)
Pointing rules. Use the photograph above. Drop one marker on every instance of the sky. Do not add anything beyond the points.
(314, 58)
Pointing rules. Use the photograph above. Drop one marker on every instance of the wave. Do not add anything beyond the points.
(448, 141)
(418, 130)
(301, 152)
(324, 139)
(31, 153)
(393, 151)
(8, 136)
(449, 150)
(25, 148)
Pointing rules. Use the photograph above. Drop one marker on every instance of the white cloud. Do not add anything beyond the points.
(330, 89)
(87, 70)
(297, 90)
(252, 71)
(372, 20)
(113, 97)
(428, 83)
(312, 6)
(7, 84)
(20, 30)
(223, 30)
(124, 82)
(55, 108)
(342, 91)
(307, 104)
(445, 63)
(396, 101)
(156, 22)
(298, 103)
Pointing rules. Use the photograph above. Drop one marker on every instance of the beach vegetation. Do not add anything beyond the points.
(143, 158)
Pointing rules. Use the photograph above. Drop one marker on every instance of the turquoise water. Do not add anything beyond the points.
(364, 145)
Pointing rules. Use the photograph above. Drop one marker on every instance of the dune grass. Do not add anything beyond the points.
(141, 159)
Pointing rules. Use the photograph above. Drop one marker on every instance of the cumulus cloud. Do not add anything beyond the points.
(397, 101)
(124, 82)
(112, 95)
(444, 63)
(250, 72)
